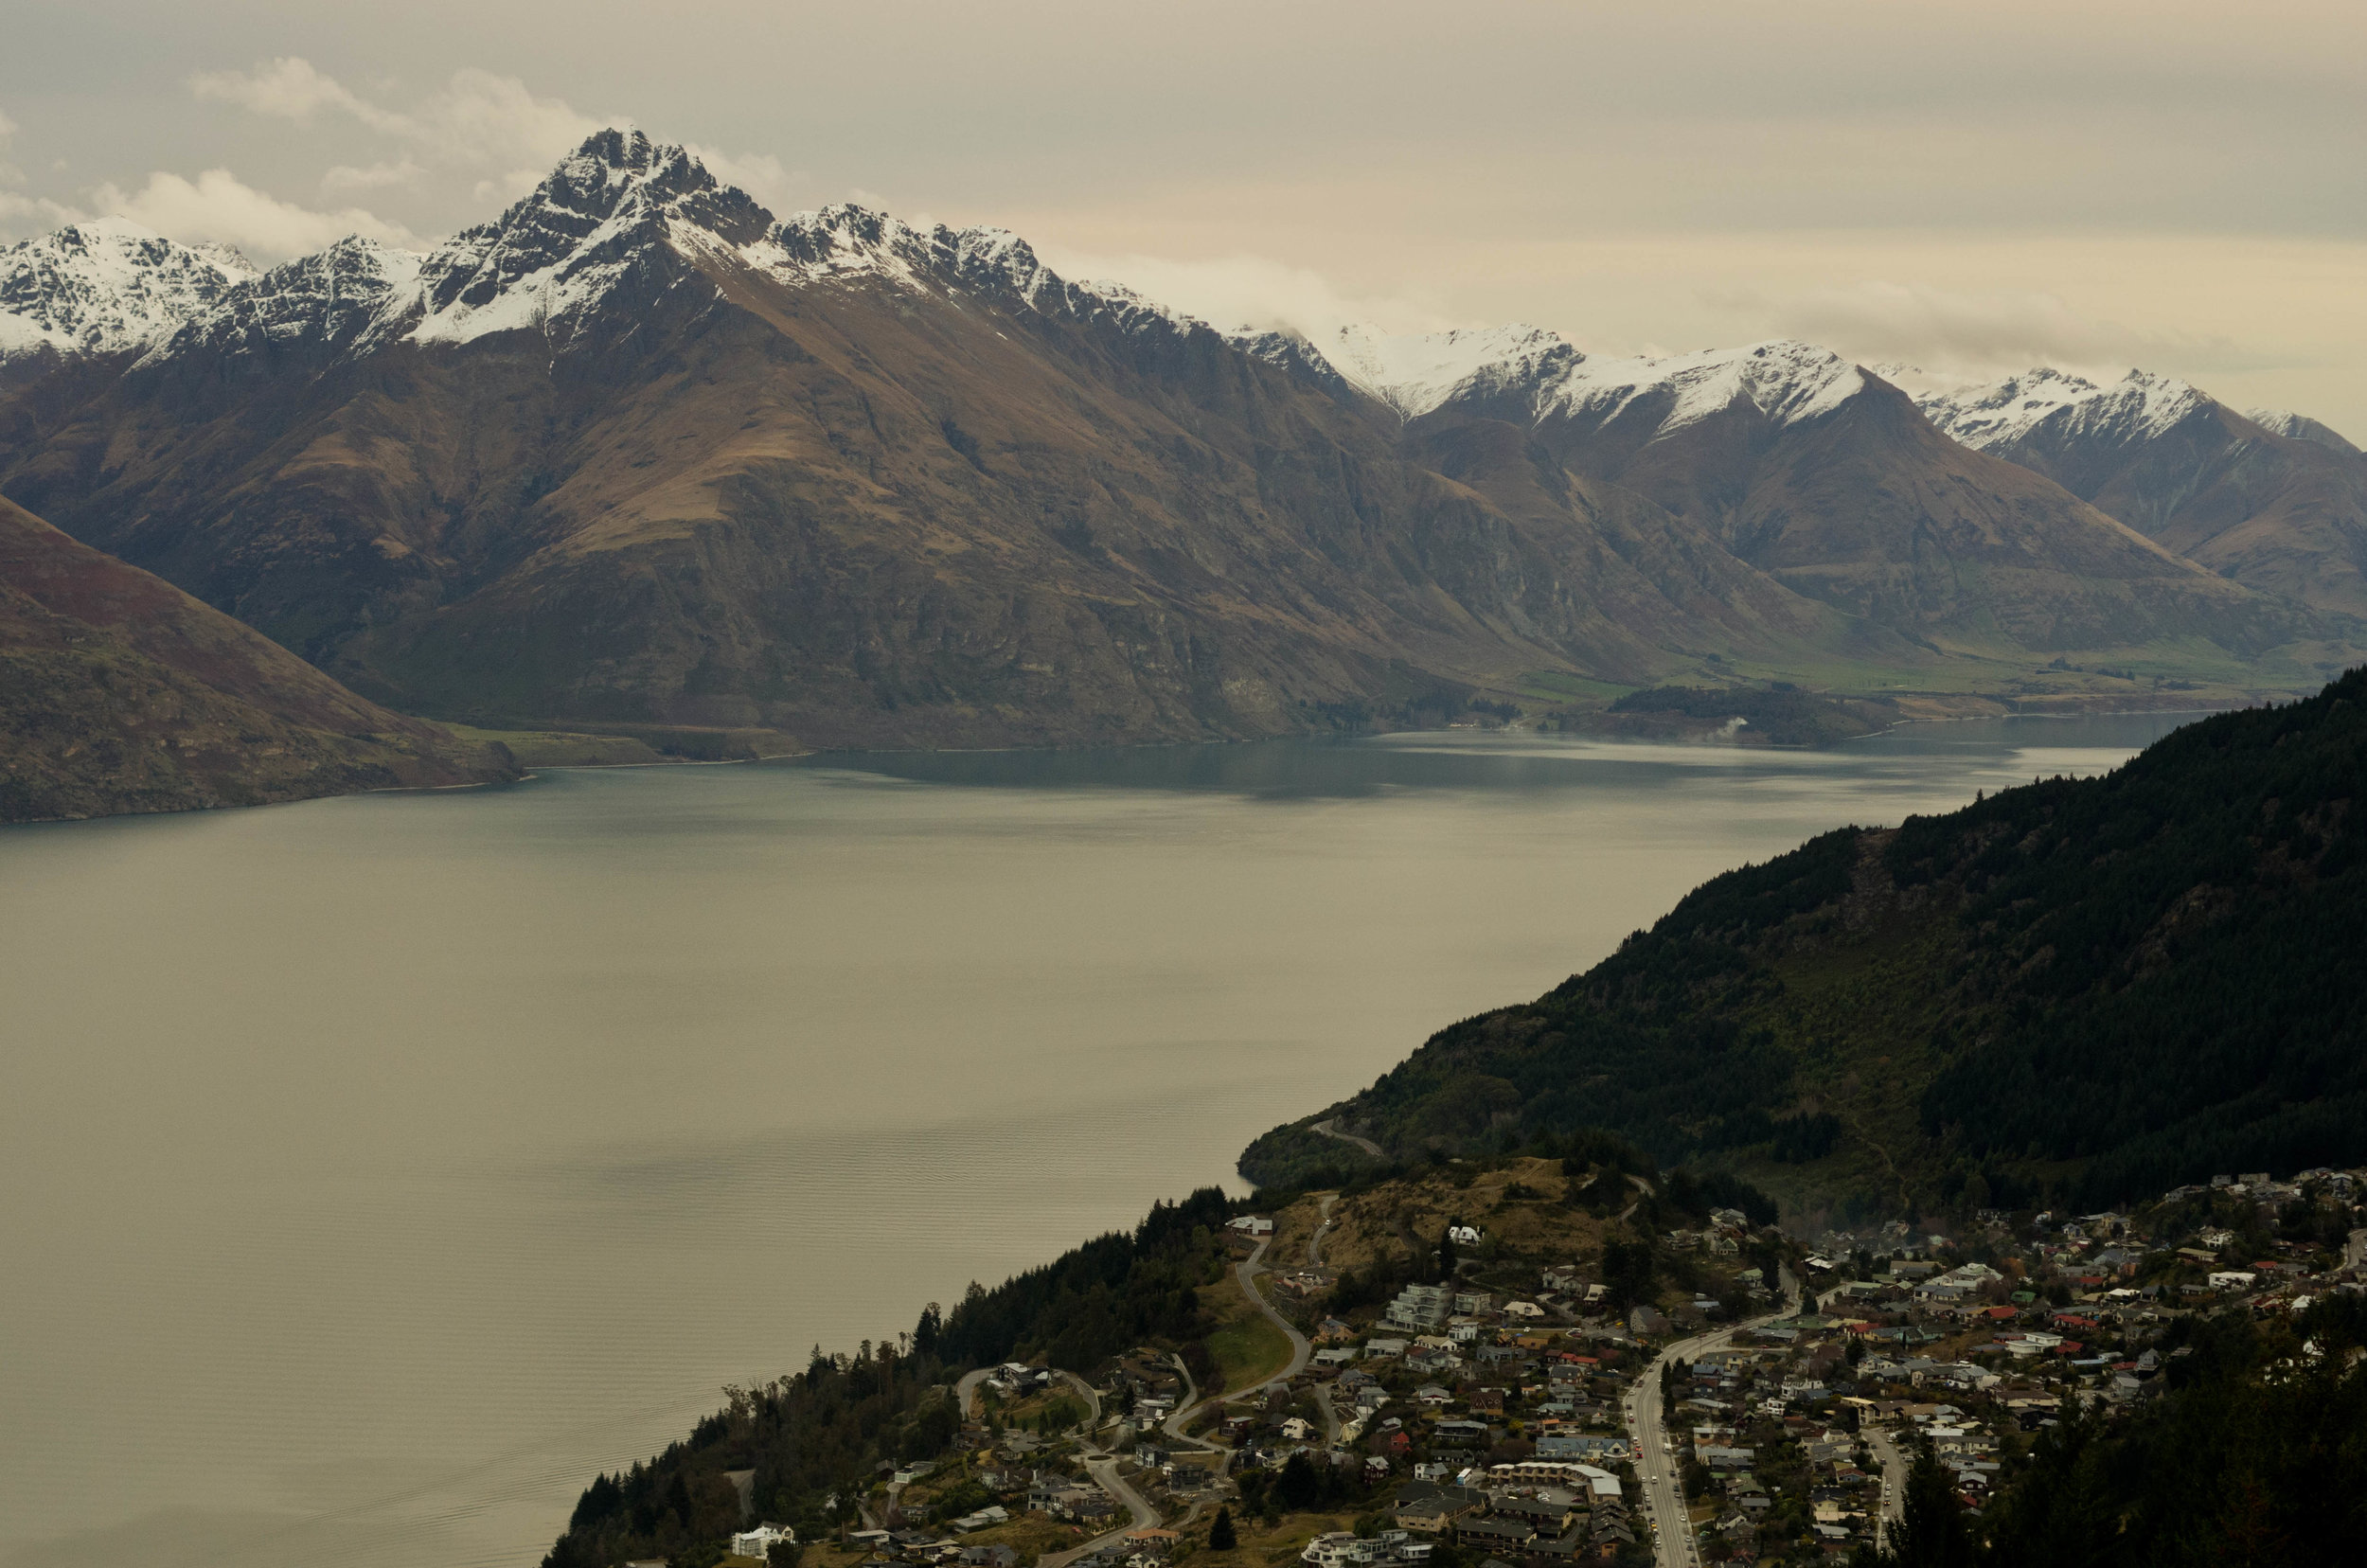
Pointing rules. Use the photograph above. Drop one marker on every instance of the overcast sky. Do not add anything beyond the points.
(1968, 189)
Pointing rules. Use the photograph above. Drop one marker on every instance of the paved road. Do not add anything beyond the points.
(1644, 1190)
(2355, 1251)
(1103, 1468)
(1330, 1130)
(1174, 1431)
(1323, 1227)
(1247, 1273)
(1673, 1545)
(1314, 1259)
(1893, 1508)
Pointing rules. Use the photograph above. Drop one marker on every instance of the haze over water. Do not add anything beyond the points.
(376, 1170)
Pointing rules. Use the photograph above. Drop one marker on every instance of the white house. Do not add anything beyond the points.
(758, 1543)
(1252, 1224)
(1464, 1236)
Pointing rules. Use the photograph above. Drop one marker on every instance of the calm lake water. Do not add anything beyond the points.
(375, 1170)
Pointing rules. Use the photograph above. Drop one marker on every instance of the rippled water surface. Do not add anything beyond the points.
(375, 1170)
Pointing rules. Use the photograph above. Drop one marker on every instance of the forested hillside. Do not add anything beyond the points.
(2074, 991)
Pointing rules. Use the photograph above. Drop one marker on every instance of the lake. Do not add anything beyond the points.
(378, 1170)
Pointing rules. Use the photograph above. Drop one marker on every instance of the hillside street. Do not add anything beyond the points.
(1655, 1467)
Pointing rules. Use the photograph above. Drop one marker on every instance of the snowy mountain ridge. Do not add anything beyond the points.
(106, 286)
(619, 205)
(607, 213)
(2140, 406)
(2301, 427)
(1545, 376)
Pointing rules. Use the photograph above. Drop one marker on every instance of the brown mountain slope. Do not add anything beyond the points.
(119, 692)
(836, 477)
(1868, 509)
(2281, 514)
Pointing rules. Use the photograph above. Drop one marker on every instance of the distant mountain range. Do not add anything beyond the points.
(639, 453)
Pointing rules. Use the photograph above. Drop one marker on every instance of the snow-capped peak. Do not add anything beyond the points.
(1415, 373)
(589, 224)
(106, 285)
(845, 243)
(2301, 427)
(2138, 406)
(1542, 375)
(324, 300)
(1785, 380)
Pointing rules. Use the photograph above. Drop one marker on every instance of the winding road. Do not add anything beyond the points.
(1103, 1468)
(1331, 1130)
(1673, 1545)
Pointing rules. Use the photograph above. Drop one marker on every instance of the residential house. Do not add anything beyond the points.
(1423, 1505)
(1494, 1535)
(760, 1541)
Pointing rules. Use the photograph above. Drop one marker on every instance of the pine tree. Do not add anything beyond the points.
(1933, 1533)
(1220, 1535)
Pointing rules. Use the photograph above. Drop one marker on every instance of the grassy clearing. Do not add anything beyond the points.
(1559, 686)
(1248, 1346)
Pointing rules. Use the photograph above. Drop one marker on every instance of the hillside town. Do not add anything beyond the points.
(1503, 1415)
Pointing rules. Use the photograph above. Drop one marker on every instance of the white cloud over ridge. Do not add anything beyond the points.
(490, 131)
(1250, 290)
(219, 206)
(1961, 334)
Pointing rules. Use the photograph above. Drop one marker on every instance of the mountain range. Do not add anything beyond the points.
(639, 453)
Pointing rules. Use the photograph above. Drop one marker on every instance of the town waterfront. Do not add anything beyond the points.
(378, 1169)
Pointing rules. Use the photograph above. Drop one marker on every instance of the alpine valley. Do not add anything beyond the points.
(640, 457)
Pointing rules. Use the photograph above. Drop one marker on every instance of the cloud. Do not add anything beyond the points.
(760, 174)
(8, 126)
(219, 206)
(493, 130)
(287, 88)
(21, 214)
(1250, 290)
(377, 176)
(1953, 333)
